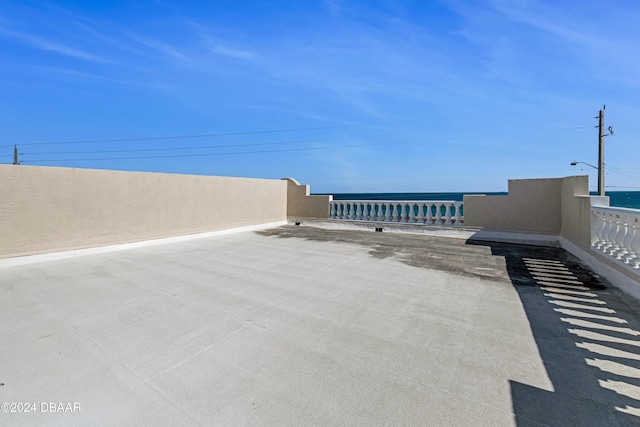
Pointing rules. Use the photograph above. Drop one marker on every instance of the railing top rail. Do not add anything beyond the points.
(627, 211)
(395, 201)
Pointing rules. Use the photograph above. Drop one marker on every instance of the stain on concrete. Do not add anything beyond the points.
(487, 260)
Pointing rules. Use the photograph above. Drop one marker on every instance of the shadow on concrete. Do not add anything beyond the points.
(588, 337)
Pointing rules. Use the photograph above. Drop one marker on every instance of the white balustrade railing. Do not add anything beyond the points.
(430, 212)
(616, 233)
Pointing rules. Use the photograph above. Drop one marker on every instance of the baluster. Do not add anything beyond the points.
(420, 213)
(447, 215)
(598, 220)
(633, 258)
(620, 236)
(625, 247)
(633, 238)
(404, 212)
(386, 211)
(358, 211)
(457, 217)
(611, 237)
(427, 214)
(352, 210)
(605, 232)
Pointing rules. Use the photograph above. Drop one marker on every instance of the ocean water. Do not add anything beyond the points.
(621, 199)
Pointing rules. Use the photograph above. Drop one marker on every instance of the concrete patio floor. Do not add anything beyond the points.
(303, 326)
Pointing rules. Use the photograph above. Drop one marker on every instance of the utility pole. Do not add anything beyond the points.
(601, 152)
(15, 155)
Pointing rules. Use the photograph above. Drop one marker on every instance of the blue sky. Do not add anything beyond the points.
(362, 96)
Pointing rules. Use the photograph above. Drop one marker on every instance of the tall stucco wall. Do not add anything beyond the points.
(45, 209)
(531, 206)
(302, 205)
(576, 210)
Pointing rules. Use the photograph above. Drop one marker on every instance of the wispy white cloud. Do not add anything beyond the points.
(158, 45)
(214, 45)
(227, 51)
(287, 111)
(98, 36)
(48, 45)
(81, 75)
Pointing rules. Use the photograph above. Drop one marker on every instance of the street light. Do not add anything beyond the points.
(588, 164)
(600, 182)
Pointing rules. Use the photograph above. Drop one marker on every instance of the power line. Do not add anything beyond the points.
(212, 135)
(235, 133)
(271, 151)
(178, 137)
(202, 147)
(283, 150)
(627, 175)
(175, 156)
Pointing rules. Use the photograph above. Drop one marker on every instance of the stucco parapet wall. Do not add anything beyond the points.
(50, 209)
(301, 204)
(531, 205)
